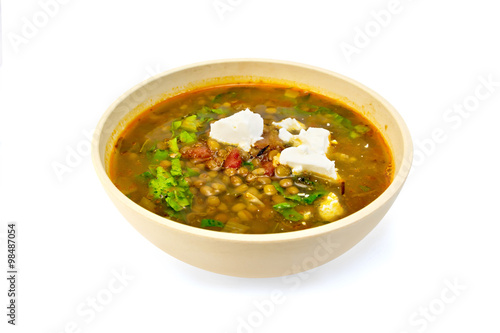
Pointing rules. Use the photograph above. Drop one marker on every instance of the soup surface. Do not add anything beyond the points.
(171, 161)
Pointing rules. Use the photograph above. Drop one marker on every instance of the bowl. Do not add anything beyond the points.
(253, 255)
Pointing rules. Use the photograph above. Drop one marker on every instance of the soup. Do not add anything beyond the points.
(251, 159)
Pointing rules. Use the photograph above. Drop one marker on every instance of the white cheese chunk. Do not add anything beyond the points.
(309, 153)
(329, 207)
(242, 129)
(290, 124)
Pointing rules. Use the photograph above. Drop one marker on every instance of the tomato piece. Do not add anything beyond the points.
(200, 152)
(269, 167)
(233, 160)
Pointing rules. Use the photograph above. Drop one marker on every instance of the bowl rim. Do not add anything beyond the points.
(395, 186)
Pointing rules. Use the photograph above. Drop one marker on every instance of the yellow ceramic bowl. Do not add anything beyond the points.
(261, 255)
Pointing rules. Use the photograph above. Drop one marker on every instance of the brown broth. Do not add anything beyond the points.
(242, 199)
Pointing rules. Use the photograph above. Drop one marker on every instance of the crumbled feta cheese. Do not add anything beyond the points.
(290, 124)
(243, 129)
(309, 153)
(329, 207)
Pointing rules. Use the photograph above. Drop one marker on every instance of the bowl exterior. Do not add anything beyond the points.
(249, 258)
(254, 255)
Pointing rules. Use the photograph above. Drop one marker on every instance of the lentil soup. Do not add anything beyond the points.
(170, 161)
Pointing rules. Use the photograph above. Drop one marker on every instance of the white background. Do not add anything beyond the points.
(59, 75)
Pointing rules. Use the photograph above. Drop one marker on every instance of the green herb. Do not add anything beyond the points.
(354, 135)
(291, 214)
(364, 188)
(182, 182)
(172, 144)
(178, 199)
(278, 188)
(152, 169)
(249, 165)
(187, 137)
(336, 118)
(224, 95)
(161, 184)
(191, 123)
(211, 223)
(181, 215)
(323, 109)
(315, 195)
(159, 155)
(173, 189)
(284, 205)
(304, 198)
(191, 173)
(175, 125)
(145, 176)
(361, 129)
(176, 169)
(207, 114)
(307, 198)
(218, 111)
(286, 209)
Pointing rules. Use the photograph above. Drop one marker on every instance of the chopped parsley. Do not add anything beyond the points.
(186, 137)
(287, 210)
(171, 187)
(301, 198)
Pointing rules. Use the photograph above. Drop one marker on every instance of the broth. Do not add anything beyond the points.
(167, 162)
